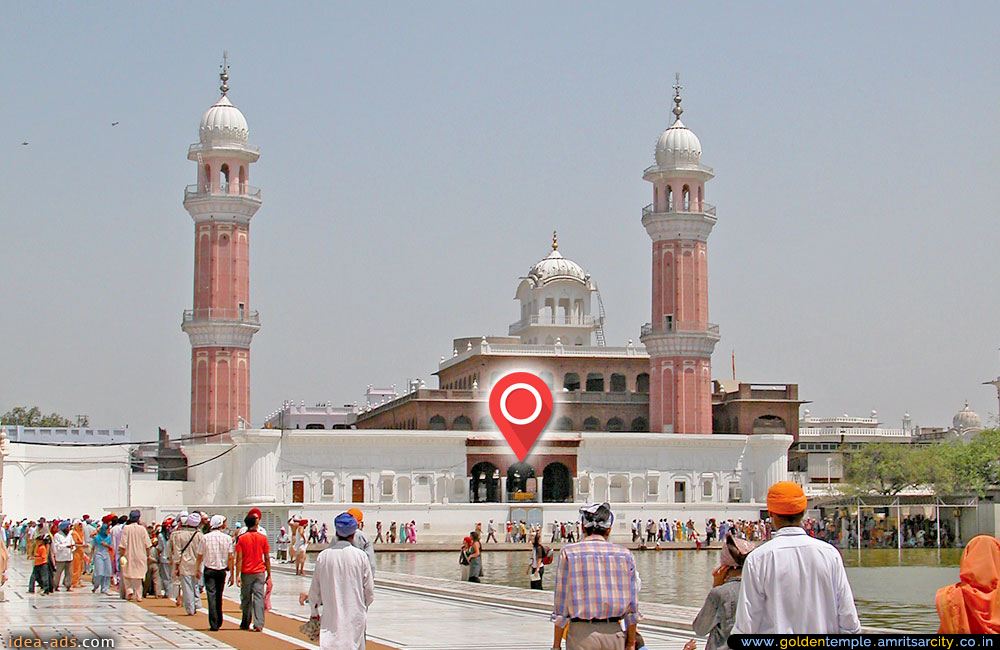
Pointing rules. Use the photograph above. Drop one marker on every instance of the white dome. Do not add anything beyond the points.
(557, 267)
(678, 146)
(223, 122)
(966, 419)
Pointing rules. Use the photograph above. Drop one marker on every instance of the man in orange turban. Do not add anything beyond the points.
(361, 540)
(795, 583)
(973, 605)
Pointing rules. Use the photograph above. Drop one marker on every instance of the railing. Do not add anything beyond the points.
(669, 327)
(699, 167)
(238, 315)
(538, 320)
(706, 208)
(203, 190)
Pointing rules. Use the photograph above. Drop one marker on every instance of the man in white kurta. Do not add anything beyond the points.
(342, 587)
(794, 583)
(134, 548)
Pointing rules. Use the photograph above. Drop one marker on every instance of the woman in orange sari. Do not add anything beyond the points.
(79, 554)
(972, 606)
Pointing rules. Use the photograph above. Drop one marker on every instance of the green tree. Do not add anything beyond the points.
(953, 467)
(32, 417)
(885, 468)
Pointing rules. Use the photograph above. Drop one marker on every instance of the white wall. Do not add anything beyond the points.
(64, 481)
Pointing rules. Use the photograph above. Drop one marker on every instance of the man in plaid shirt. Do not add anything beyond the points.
(596, 589)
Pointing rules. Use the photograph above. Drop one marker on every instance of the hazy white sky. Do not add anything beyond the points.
(415, 159)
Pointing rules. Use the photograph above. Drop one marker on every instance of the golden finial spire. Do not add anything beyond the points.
(224, 74)
(677, 96)
(555, 241)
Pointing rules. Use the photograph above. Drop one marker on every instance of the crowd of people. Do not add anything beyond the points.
(756, 587)
(881, 531)
(403, 533)
(180, 558)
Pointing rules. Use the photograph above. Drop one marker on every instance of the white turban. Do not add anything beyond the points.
(218, 521)
(193, 519)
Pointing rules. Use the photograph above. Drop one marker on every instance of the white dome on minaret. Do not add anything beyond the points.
(678, 146)
(223, 123)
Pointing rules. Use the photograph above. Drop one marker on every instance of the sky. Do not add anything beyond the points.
(416, 157)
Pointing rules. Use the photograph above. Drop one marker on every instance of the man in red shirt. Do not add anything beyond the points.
(253, 562)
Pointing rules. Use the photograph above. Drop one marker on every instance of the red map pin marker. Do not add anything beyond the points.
(521, 405)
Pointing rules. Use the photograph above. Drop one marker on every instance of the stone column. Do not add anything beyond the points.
(538, 489)
(503, 489)
(257, 456)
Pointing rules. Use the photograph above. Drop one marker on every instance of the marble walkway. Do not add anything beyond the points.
(402, 617)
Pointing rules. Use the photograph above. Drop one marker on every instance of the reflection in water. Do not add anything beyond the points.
(888, 594)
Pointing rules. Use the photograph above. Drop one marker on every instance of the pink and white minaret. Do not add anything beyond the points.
(679, 339)
(221, 325)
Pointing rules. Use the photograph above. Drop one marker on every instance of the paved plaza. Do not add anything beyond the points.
(400, 618)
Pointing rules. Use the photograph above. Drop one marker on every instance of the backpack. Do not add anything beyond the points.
(547, 555)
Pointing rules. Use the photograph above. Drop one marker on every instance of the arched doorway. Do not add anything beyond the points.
(484, 483)
(461, 423)
(518, 476)
(556, 483)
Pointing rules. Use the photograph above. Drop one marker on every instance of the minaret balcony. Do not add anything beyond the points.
(678, 327)
(693, 208)
(222, 314)
(204, 190)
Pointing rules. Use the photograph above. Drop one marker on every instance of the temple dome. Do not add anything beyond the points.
(966, 420)
(557, 267)
(678, 146)
(223, 123)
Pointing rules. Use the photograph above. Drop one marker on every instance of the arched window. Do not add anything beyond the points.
(642, 382)
(639, 424)
(315, 425)
(595, 382)
(615, 424)
(591, 424)
(618, 489)
(769, 424)
(462, 423)
(687, 198)
(564, 424)
(670, 199)
(571, 382)
(436, 424)
(224, 178)
(207, 181)
(328, 488)
(617, 383)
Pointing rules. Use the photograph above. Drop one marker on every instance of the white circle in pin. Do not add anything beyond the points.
(503, 404)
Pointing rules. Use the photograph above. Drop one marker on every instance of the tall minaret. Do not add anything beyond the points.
(679, 339)
(221, 325)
